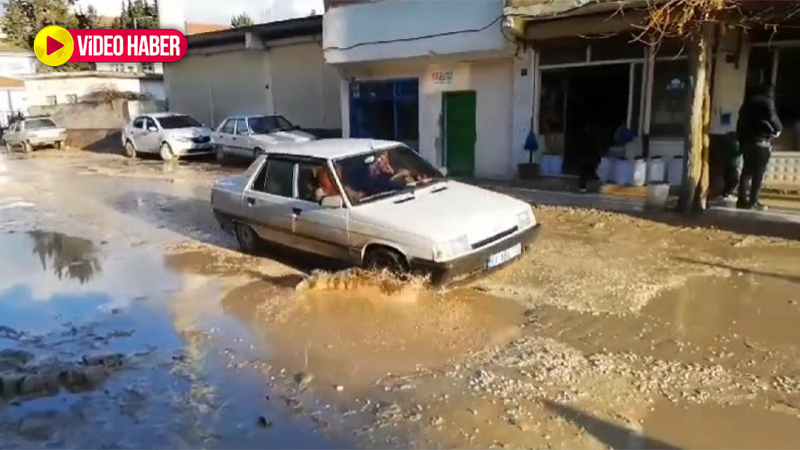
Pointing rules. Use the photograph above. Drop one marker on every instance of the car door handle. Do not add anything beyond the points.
(297, 211)
(250, 201)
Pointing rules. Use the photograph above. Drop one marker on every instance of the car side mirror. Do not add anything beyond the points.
(152, 128)
(332, 202)
(443, 170)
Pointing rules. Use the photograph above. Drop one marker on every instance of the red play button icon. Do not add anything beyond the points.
(53, 46)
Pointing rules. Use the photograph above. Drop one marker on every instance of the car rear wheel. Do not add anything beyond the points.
(248, 240)
(130, 150)
(60, 145)
(26, 147)
(166, 152)
(382, 258)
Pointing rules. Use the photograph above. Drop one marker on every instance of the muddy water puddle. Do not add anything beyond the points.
(722, 427)
(100, 346)
(745, 321)
(351, 329)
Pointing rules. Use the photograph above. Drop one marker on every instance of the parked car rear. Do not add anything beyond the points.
(250, 136)
(34, 132)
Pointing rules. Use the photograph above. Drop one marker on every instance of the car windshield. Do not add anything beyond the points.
(172, 122)
(269, 124)
(383, 173)
(38, 124)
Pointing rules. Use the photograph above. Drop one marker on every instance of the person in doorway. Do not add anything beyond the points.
(757, 125)
(596, 145)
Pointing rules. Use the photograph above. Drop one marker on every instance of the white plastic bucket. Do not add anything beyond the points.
(557, 163)
(675, 171)
(605, 170)
(657, 195)
(623, 172)
(656, 170)
(639, 172)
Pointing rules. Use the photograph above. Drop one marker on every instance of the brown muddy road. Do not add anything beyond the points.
(127, 320)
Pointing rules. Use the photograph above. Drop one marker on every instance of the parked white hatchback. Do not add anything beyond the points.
(250, 136)
(373, 203)
(169, 135)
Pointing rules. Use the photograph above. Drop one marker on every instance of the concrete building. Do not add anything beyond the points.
(466, 81)
(56, 88)
(580, 81)
(15, 63)
(439, 76)
(272, 68)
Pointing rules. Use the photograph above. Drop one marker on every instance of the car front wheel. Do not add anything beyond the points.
(166, 152)
(130, 150)
(26, 147)
(385, 259)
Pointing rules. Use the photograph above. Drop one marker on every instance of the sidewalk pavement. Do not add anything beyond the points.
(781, 212)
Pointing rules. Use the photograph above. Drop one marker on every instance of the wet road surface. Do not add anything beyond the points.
(128, 319)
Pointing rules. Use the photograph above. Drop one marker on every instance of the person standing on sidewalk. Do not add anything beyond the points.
(757, 125)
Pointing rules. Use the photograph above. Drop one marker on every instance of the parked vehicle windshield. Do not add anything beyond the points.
(38, 124)
(173, 122)
(384, 173)
(269, 124)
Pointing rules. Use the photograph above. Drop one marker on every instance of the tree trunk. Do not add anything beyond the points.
(694, 191)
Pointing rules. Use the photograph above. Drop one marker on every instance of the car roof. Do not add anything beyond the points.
(248, 116)
(332, 148)
(163, 114)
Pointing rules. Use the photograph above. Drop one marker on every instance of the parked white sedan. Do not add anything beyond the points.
(169, 135)
(34, 132)
(373, 203)
(250, 136)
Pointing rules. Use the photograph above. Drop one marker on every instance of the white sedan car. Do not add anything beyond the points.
(169, 135)
(373, 203)
(250, 136)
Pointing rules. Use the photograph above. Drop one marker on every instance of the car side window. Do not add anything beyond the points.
(138, 123)
(314, 182)
(241, 127)
(276, 178)
(150, 123)
(227, 127)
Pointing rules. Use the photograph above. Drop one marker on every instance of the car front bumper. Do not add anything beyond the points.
(182, 148)
(473, 263)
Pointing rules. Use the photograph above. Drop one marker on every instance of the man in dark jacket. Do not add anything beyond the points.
(758, 124)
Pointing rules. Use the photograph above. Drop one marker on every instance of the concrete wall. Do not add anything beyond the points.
(288, 78)
(730, 81)
(305, 89)
(40, 88)
(346, 28)
(213, 86)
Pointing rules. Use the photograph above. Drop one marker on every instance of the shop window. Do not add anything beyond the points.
(636, 101)
(552, 105)
(385, 110)
(787, 98)
(671, 88)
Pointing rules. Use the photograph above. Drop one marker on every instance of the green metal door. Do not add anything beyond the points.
(460, 133)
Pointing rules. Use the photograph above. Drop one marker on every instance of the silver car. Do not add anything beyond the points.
(250, 136)
(169, 135)
(372, 203)
(34, 132)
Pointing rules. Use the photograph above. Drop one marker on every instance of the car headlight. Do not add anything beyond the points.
(450, 249)
(525, 219)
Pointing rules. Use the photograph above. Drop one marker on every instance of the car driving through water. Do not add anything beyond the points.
(373, 203)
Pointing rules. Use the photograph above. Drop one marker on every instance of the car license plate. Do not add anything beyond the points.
(505, 256)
